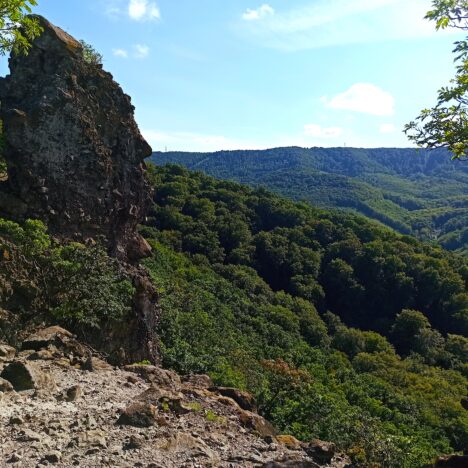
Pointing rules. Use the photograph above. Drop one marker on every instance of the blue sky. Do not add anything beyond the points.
(226, 74)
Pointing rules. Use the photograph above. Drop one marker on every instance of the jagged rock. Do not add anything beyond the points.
(200, 381)
(244, 399)
(257, 424)
(320, 451)
(182, 442)
(133, 443)
(5, 386)
(16, 421)
(140, 414)
(75, 160)
(164, 399)
(73, 150)
(73, 393)
(45, 337)
(7, 353)
(291, 464)
(27, 435)
(27, 377)
(53, 457)
(43, 354)
(94, 438)
(157, 376)
(289, 441)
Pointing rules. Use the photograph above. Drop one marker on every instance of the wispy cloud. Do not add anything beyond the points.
(138, 51)
(323, 23)
(141, 51)
(317, 131)
(363, 97)
(258, 13)
(120, 53)
(143, 10)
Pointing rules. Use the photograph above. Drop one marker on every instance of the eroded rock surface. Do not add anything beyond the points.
(123, 418)
(75, 160)
(74, 152)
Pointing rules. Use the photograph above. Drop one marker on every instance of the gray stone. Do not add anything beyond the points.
(46, 337)
(94, 438)
(139, 414)
(27, 377)
(5, 386)
(7, 353)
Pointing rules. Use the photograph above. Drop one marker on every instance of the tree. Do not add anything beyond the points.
(17, 30)
(90, 54)
(446, 124)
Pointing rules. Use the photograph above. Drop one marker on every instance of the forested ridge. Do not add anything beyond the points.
(417, 192)
(343, 329)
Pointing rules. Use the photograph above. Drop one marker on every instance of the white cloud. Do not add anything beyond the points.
(141, 51)
(363, 97)
(120, 53)
(318, 131)
(387, 128)
(260, 12)
(324, 23)
(143, 10)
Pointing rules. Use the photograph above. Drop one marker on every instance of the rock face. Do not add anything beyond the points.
(75, 160)
(73, 150)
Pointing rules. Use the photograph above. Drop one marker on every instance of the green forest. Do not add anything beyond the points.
(416, 192)
(341, 328)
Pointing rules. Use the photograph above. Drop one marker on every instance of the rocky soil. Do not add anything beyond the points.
(62, 405)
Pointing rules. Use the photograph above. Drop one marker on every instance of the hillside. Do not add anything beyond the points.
(413, 191)
(156, 316)
(286, 301)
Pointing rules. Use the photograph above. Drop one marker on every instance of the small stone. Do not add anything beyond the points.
(257, 424)
(16, 421)
(43, 354)
(244, 399)
(14, 458)
(200, 381)
(133, 443)
(73, 393)
(7, 352)
(139, 415)
(53, 457)
(320, 451)
(289, 442)
(95, 438)
(28, 435)
(5, 386)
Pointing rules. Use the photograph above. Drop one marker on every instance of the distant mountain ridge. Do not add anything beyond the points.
(417, 192)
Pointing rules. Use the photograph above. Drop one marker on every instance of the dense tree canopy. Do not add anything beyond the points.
(446, 124)
(288, 301)
(414, 191)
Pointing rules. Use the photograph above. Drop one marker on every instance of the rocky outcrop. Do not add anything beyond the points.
(130, 416)
(75, 160)
(73, 150)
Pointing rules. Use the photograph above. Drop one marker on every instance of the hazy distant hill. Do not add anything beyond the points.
(414, 191)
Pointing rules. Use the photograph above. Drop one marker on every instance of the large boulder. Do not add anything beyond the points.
(27, 376)
(73, 149)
